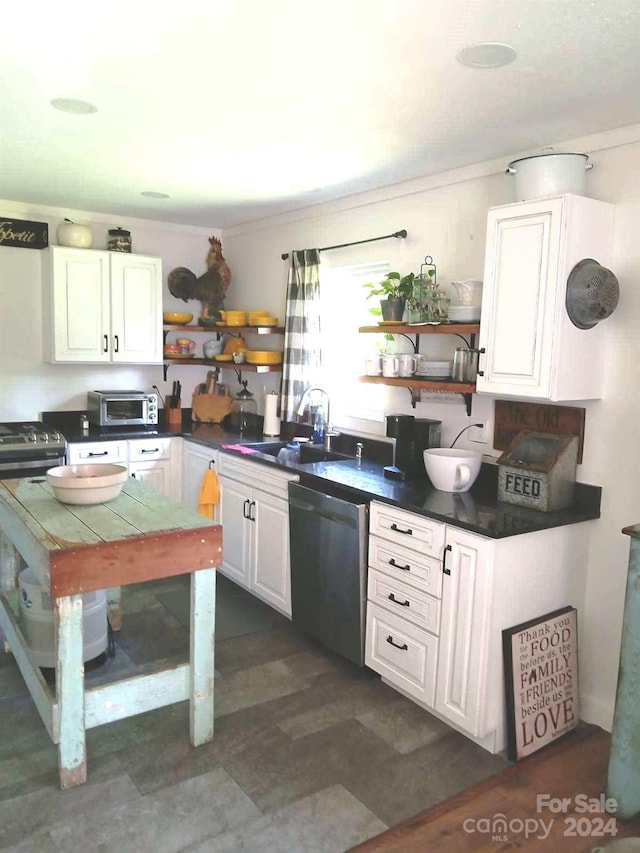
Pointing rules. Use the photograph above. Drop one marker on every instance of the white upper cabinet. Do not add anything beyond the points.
(529, 346)
(102, 307)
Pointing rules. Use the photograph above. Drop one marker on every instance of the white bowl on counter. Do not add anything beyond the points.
(85, 485)
(452, 470)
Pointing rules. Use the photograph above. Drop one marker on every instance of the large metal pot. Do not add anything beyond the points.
(544, 175)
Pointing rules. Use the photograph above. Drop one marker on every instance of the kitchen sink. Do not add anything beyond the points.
(309, 453)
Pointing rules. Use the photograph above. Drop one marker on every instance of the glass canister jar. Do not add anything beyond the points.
(244, 411)
(119, 240)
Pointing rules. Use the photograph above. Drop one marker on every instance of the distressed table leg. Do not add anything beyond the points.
(203, 623)
(72, 753)
(10, 565)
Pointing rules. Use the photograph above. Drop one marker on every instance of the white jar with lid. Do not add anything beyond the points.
(74, 235)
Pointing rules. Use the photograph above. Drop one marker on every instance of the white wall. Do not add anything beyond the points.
(445, 217)
(28, 386)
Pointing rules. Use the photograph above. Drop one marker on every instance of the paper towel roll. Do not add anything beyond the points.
(271, 419)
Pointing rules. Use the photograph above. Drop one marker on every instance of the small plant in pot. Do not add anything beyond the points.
(393, 291)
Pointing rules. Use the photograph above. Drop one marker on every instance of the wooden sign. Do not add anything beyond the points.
(24, 234)
(541, 681)
(512, 417)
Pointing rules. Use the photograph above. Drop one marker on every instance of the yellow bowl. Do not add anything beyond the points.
(255, 318)
(176, 318)
(264, 357)
(223, 357)
(234, 318)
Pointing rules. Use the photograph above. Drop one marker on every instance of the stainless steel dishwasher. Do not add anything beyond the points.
(328, 533)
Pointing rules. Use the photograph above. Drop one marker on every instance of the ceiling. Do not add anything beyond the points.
(243, 109)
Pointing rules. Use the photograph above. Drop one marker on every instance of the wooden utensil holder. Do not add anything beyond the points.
(174, 414)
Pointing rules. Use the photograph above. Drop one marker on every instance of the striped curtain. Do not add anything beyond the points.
(302, 353)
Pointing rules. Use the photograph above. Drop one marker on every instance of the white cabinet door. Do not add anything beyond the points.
(76, 310)
(235, 500)
(196, 460)
(136, 308)
(464, 631)
(270, 558)
(254, 514)
(101, 307)
(529, 346)
(153, 474)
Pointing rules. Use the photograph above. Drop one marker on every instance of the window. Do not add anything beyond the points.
(344, 308)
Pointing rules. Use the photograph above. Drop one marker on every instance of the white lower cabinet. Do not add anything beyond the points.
(434, 626)
(254, 514)
(154, 461)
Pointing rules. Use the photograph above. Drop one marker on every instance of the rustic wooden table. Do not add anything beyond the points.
(139, 536)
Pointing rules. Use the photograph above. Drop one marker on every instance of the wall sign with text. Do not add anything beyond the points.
(23, 234)
(541, 681)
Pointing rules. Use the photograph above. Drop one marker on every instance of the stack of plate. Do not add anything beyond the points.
(464, 313)
(435, 369)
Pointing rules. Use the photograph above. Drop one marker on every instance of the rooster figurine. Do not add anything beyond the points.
(210, 288)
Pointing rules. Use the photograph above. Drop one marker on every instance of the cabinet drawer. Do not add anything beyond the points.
(99, 451)
(407, 528)
(404, 601)
(403, 654)
(411, 567)
(273, 480)
(144, 449)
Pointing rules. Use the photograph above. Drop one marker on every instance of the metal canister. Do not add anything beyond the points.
(119, 240)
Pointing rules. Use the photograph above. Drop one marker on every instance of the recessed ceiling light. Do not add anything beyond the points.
(487, 55)
(154, 194)
(71, 105)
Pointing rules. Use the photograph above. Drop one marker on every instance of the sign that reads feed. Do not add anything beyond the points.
(24, 234)
(541, 680)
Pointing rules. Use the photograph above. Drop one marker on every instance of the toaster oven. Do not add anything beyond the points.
(122, 408)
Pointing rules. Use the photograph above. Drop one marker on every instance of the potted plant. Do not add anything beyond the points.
(394, 291)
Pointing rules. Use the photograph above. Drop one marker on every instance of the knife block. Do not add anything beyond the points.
(174, 414)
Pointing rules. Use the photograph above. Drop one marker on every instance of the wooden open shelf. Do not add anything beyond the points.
(440, 329)
(418, 384)
(227, 365)
(221, 330)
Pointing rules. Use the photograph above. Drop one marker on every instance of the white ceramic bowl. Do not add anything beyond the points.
(87, 484)
(452, 470)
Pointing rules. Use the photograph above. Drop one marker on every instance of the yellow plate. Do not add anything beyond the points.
(223, 357)
(264, 357)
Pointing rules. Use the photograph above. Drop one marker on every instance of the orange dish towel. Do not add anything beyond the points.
(209, 494)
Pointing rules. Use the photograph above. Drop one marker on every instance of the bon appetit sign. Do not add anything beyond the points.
(23, 234)
(541, 680)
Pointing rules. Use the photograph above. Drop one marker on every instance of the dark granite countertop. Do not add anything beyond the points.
(477, 510)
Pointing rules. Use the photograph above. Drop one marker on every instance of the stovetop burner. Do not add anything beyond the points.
(29, 445)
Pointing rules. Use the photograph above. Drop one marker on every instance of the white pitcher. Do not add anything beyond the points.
(469, 291)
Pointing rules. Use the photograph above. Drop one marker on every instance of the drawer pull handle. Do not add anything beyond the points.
(106, 344)
(151, 450)
(104, 453)
(401, 603)
(445, 570)
(406, 568)
(408, 532)
(403, 647)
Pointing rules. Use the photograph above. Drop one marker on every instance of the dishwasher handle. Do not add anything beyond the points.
(318, 512)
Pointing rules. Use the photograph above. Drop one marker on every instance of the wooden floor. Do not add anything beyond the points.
(576, 765)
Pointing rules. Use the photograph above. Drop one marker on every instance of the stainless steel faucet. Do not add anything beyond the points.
(329, 432)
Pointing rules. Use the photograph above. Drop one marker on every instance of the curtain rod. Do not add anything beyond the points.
(402, 234)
